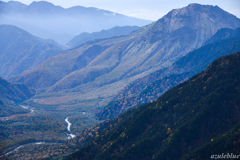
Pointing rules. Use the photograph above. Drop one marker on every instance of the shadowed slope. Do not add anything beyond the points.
(14, 92)
(183, 119)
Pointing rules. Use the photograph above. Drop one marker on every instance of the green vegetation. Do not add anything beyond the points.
(6, 110)
(226, 143)
(223, 34)
(150, 87)
(14, 92)
(77, 84)
(19, 128)
(13, 143)
(182, 121)
(47, 123)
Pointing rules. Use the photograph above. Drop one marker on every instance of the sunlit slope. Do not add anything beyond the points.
(20, 51)
(102, 68)
(150, 87)
(171, 37)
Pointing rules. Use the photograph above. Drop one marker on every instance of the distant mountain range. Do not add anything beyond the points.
(20, 51)
(194, 120)
(48, 21)
(150, 87)
(113, 32)
(100, 69)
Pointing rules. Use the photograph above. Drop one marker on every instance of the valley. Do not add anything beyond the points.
(27, 130)
(127, 92)
(82, 77)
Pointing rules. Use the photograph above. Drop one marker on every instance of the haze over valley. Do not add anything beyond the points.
(76, 83)
(45, 20)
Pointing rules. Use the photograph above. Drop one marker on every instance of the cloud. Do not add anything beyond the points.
(144, 14)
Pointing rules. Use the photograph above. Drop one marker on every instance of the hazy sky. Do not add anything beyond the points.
(144, 9)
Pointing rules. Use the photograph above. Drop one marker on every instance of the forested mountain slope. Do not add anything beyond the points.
(14, 92)
(181, 124)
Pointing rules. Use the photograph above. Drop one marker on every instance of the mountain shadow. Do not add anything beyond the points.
(183, 123)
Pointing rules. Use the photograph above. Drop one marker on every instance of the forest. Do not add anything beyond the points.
(181, 124)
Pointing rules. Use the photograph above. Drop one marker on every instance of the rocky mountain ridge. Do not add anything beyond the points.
(118, 61)
(150, 87)
(103, 34)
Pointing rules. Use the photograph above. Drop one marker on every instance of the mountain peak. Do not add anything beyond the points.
(50, 21)
(41, 4)
(196, 17)
(193, 7)
(196, 5)
(11, 6)
(196, 8)
(44, 7)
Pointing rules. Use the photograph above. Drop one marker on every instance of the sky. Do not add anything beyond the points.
(144, 9)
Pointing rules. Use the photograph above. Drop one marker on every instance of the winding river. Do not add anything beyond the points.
(70, 136)
(24, 145)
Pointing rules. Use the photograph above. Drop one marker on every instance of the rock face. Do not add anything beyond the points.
(198, 20)
(46, 20)
(21, 51)
(118, 61)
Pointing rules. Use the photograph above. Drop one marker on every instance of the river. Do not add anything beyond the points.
(24, 145)
(70, 136)
(27, 107)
